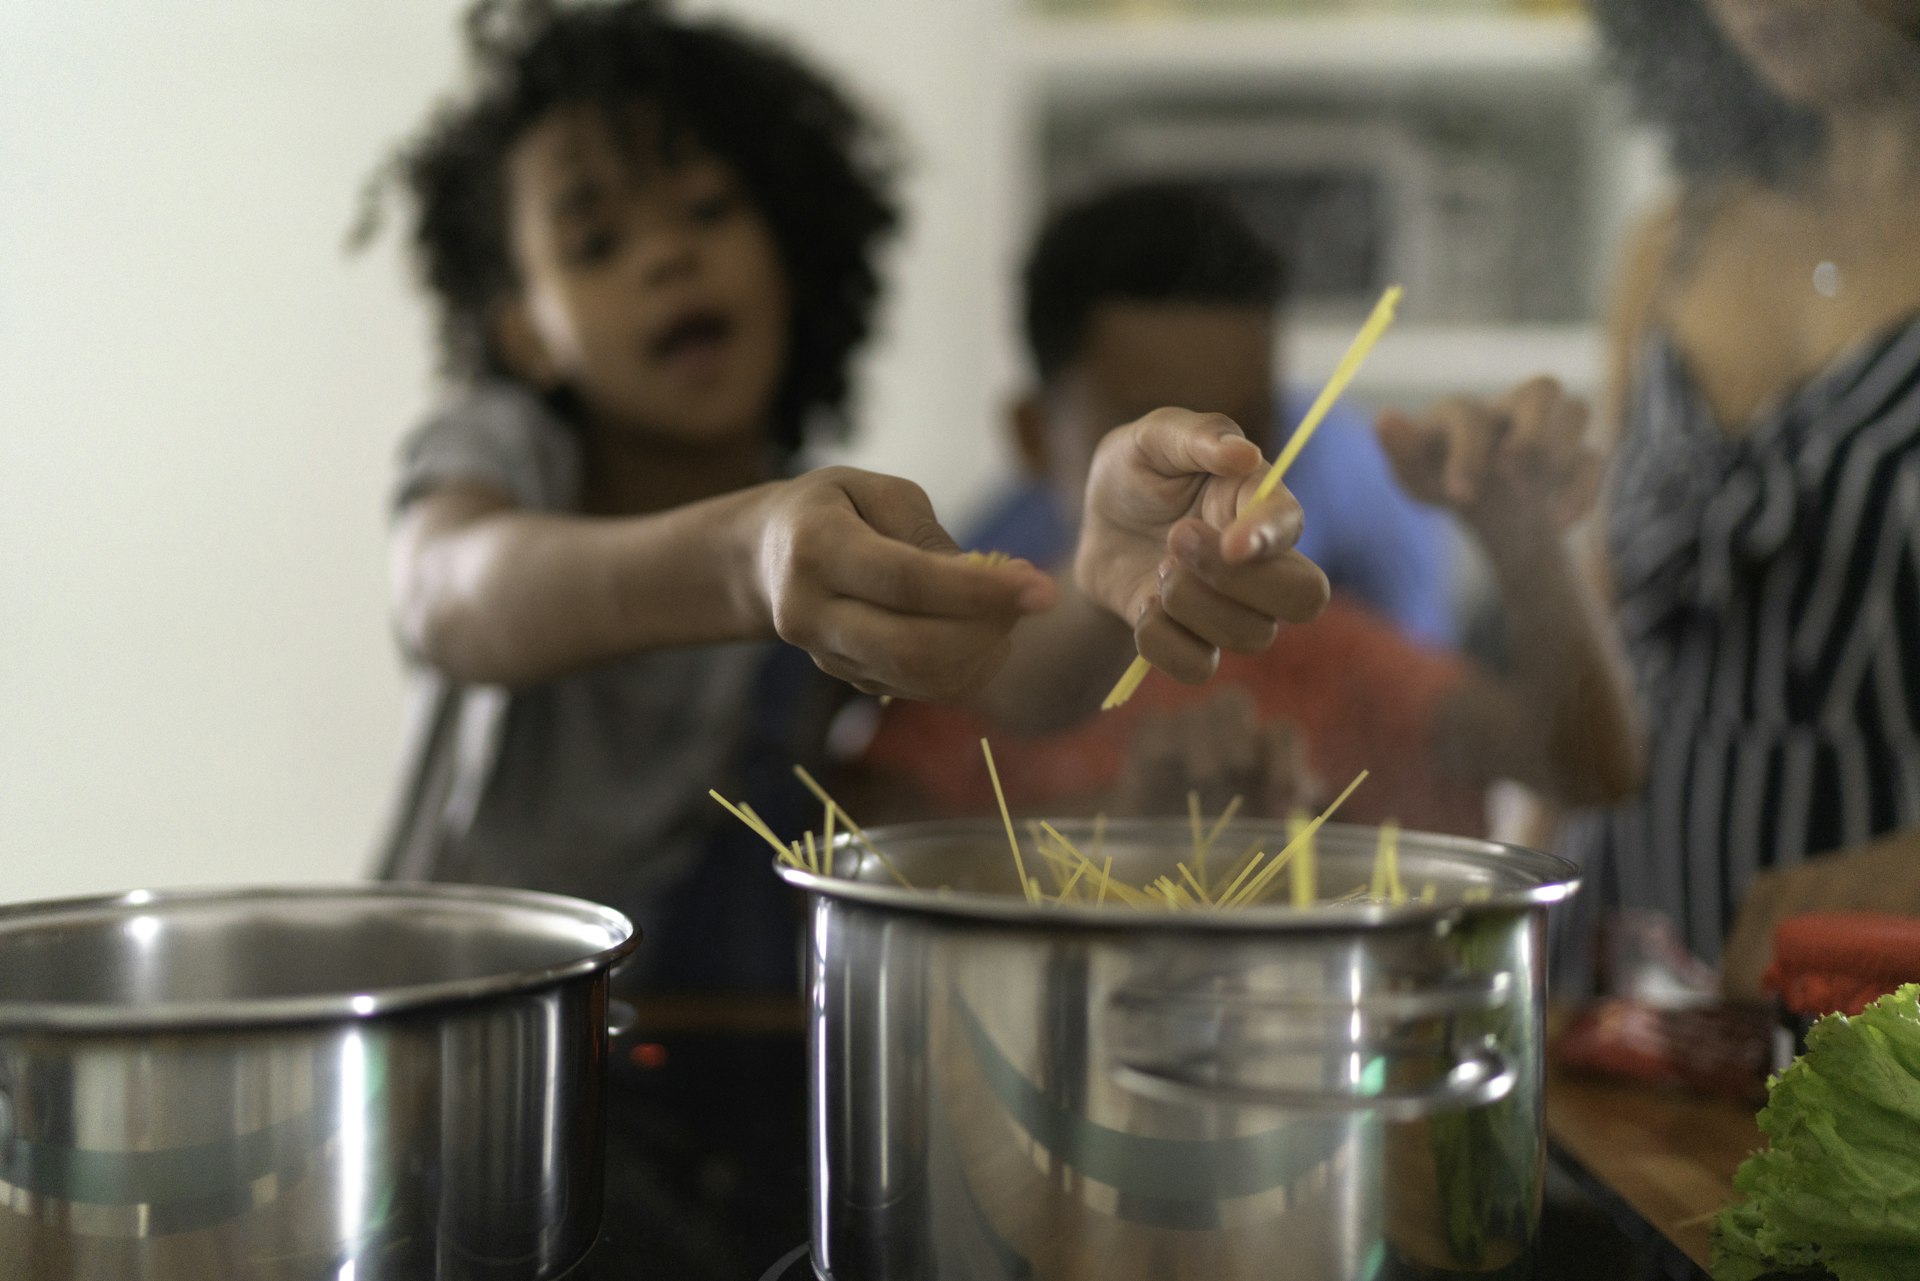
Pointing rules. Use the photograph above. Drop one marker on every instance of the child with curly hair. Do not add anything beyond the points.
(651, 241)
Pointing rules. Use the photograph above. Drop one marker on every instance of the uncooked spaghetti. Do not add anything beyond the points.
(1082, 880)
(1343, 373)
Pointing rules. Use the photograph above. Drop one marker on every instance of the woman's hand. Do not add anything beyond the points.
(1217, 748)
(853, 568)
(1173, 543)
(1557, 718)
(1509, 467)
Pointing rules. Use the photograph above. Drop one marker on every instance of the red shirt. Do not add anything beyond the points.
(1360, 694)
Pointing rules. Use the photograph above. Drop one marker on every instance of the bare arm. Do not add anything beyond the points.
(1518, 473)
(848, 565)
(1636, 289)
(1559, 720)
(488, 591)
(1636, 294)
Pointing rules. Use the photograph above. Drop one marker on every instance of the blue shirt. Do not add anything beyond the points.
(1374, 542)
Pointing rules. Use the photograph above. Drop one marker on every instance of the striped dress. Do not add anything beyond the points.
(1769, 601)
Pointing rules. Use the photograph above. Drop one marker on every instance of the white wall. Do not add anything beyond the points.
(199, 396)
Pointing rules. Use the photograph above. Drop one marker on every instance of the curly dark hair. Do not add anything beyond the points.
(1147, 242)
(818, 169)
(1721, 120)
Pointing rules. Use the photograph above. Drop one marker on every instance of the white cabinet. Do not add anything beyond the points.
(1476, 155)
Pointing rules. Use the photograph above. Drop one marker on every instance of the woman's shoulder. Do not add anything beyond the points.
(1644, 256)
(498, 433)
(1662, 247)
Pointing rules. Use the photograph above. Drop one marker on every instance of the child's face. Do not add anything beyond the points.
(1139, 357)
(653, 290)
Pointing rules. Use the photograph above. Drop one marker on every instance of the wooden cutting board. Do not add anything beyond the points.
(1667, 1154)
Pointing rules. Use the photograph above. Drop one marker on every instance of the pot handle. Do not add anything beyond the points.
(1401, 1054)
(1478, 1076)
(622, 1017)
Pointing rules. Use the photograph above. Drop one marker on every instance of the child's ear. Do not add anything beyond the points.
(1027, 416)
(517, 339)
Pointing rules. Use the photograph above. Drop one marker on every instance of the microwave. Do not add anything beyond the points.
(1352, 204)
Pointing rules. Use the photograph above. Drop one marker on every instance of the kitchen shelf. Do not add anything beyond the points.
(1416, 361)
(1071, 54)
(1079, 79)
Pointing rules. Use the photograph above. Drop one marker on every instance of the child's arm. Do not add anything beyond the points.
(1175, 562)
(848, 565)
(1519, 474)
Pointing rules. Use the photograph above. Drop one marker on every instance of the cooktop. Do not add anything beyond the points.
(706, 1175)
(796, 1266)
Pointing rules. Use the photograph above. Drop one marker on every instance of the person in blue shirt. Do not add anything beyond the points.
(1377, 545)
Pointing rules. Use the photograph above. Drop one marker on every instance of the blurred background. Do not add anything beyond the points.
(200, 391)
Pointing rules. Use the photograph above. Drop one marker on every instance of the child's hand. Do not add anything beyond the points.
(1505, 465)
(1217, 748)
(853, 568)
(1172, 542)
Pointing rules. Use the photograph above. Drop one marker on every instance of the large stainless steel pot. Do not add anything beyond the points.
(1002, 1090)
(382, 1081)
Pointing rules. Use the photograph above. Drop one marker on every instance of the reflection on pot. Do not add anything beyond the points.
(1063, 1096)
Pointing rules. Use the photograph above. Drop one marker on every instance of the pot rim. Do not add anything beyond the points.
(250, 1012)
(1558, 879)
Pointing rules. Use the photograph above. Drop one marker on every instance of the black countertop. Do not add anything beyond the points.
(706, 1160)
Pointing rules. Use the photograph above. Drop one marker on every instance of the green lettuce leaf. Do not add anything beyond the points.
(1737, 1255)
(1838, 1186)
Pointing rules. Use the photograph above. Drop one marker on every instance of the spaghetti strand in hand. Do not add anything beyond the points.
(1175, 542)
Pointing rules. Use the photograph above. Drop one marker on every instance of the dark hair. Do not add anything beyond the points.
(1148, 242)
(819, 171)
(1687, 79)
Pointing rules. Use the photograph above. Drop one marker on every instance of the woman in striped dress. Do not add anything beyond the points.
(1763, 529)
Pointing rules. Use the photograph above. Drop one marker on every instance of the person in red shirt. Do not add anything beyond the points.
(1160, 295)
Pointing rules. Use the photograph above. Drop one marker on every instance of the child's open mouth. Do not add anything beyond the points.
(694, 342)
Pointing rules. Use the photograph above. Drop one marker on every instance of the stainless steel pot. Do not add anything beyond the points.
(382, 1081)
(1002, 1090)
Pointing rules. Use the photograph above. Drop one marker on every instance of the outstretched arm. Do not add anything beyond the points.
(848, 565)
